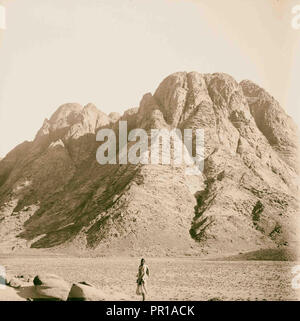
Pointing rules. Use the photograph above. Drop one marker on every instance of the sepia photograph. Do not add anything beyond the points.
(149, 152)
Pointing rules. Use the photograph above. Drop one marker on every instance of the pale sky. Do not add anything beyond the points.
(111, 52)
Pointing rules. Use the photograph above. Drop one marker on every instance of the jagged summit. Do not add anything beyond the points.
(73, 120)
(53, 193)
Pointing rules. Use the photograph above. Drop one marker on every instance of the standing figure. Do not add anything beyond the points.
(141, 281)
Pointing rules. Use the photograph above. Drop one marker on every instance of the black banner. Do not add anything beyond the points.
(155, 310)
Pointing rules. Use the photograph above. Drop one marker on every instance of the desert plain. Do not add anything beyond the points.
(171, 278)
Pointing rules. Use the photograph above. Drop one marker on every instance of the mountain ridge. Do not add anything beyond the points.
(246, 199)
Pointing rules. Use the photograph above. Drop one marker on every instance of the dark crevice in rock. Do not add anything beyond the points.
(201, 222)
(256, 212)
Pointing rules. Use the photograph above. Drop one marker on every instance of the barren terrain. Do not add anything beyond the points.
(182, 278)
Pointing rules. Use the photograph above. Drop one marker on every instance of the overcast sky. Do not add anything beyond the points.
(111, 52)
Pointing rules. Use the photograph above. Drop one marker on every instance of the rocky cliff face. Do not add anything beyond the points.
(53, 193)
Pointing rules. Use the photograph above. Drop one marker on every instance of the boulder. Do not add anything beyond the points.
(51, 287)
(5, 279)
(84, 292)
(25, 278)
(15, 283)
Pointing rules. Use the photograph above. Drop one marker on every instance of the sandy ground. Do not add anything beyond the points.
(170, 278)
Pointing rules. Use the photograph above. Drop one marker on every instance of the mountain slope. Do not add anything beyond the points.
(246, 198)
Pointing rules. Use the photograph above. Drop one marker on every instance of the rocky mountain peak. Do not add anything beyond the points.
(65, 116)
(245, 199)
(73, 121)
(114, 117)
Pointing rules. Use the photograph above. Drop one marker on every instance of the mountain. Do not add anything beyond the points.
(54, 194)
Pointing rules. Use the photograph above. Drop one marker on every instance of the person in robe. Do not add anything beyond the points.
(142, 276)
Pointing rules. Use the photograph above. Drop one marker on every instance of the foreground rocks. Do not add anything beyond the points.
(86, 292)
(51, 287)
(16, 281)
